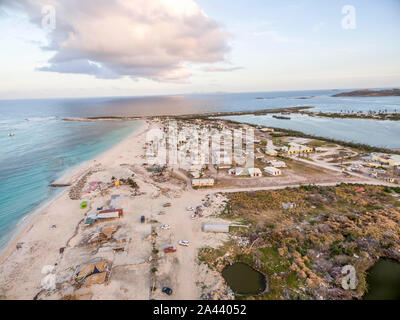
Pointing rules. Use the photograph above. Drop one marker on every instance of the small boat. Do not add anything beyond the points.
(281, 117)
(11, 134)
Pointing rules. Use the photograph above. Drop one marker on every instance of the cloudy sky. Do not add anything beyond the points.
(80, 48)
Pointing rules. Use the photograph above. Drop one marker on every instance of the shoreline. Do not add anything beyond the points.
(352, 144)
(59, 238)
(338, 115)
(303, 110)
(193, 115)
(73, 174)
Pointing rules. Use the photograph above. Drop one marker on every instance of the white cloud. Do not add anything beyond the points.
(154, 39)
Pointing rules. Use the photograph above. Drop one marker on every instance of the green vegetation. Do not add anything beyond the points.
(293, 133)
(358, 146)
(303, 249)
(130, 182)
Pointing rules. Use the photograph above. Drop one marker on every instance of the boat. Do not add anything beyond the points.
(281, 117)
(11, 134)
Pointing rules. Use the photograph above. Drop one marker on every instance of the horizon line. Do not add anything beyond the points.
(192, 93)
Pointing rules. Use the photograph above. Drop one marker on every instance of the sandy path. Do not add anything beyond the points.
(324, 165)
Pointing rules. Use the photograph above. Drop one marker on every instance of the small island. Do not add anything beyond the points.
(369, 93)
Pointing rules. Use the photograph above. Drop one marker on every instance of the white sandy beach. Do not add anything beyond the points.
(58, 240)
(54, 237)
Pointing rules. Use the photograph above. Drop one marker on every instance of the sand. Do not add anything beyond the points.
(56, 236)
(57, 239)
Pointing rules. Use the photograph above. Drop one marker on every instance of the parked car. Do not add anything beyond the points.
(161, 212)
(193, 216)
(189, 208)
(183, 243)
(167, 204)
(170, 249)
(167, 290)
(165, 227)
(142, 219)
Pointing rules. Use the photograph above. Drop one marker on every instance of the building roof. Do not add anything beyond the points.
(277, 163)
(202, 181)
(254, 171)
(271, 170)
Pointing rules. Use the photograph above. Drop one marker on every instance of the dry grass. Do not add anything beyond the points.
(307, 246)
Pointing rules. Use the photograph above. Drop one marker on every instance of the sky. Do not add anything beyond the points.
(85, 48)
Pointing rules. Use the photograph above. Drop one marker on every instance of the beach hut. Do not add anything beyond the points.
(254, 172)
(237, 171)
(277, 164)
(272, 171)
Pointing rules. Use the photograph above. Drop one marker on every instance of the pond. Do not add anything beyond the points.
(243, 279)
(383, 281)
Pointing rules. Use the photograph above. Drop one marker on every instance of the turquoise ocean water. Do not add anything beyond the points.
(45, 146)
(41, 150)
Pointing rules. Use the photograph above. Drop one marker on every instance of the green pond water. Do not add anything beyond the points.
(243, 279)
(383, 281)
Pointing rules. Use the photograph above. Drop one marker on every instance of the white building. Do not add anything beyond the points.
(254, 172)
(236, 171)
(216, 228)
(272, 171)
(277, 164)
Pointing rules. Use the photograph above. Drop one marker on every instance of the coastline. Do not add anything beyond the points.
(72, 174)
(194, 115)
(57, 237)
(360, 146)
(338, 115)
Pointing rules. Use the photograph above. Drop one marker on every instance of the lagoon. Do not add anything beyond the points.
(377, 133)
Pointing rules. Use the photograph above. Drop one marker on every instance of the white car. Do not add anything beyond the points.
(189, 208)
(183, 243)
(193, 216)
(165, 227)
